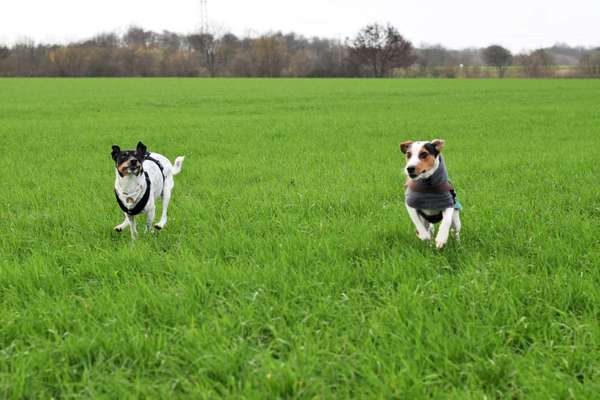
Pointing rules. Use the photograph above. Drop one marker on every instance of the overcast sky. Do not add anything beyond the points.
(517, 24)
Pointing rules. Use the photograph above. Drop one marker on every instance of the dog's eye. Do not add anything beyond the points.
(409, 154)
(423, 155)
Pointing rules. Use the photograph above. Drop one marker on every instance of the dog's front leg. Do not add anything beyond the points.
(123, 225)
(132, 226)
(442, 235)
(422, 231)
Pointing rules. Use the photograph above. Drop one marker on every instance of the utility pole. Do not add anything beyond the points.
(204, 16)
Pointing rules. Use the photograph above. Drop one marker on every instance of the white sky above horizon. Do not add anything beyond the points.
(516, 24)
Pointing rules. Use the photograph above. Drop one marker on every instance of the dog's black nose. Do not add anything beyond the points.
(133, 162)
(410, 170)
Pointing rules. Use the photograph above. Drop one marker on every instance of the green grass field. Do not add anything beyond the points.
(289, 268)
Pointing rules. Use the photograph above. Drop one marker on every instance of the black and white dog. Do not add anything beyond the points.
(141, 178)
(429, 196)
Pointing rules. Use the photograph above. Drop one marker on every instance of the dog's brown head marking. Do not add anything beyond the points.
(438, 144)
(421, 157)
(404, 146)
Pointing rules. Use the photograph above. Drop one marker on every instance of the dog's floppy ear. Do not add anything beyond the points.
(141, 148)
(405, 145)
(438, 144)
(115, 151)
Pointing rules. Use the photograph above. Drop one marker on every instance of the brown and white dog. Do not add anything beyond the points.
(429, 196)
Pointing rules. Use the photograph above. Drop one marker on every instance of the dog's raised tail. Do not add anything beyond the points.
(177, 165)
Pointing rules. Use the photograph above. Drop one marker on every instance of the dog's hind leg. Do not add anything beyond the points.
(456, 225)
(166, 198)
(150, 217)
(123, 225)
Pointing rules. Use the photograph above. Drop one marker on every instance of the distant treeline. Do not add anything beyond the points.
(376, 51)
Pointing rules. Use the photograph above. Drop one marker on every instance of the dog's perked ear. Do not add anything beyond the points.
(405, 145)
(431, 149)
(115, 152)
(438, 144)
(141, 148)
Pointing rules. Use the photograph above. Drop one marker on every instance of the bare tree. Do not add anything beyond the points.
(433, 56)
(499, 57)
(178, 63)
(590, 62)
(105, 40)
(301, 63)
(26, 57)
(376, 51)
(537, 64)
(563, 54)
(70, 61)
(229, 46)
(138, 37)
(205, 45)
(4, 52)
(381, 48)
(269, 55)
(170, 41)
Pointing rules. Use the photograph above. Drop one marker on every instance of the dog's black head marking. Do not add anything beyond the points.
(430, 147)
(141, 148)
(129, 161)
(115, 151)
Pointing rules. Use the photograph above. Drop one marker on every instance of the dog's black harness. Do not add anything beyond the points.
(155, 161)
(144, 200)
(141, 204)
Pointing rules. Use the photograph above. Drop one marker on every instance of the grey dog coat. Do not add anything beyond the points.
(428, 197)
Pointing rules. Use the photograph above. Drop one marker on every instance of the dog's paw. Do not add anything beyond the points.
(425, 235)
(158, 227)
(118, 228)
(440, 243)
